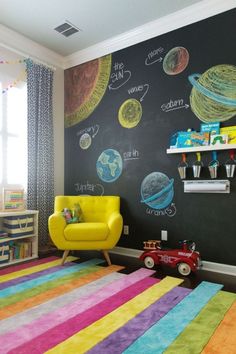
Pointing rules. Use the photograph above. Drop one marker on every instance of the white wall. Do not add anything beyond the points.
(21, 45)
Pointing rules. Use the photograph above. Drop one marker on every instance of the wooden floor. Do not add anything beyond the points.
(190, 282)
(131, 264)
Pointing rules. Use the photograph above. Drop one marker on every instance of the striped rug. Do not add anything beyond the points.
(86, 307)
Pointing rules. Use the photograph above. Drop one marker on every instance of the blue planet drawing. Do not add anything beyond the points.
(109, 165)
(157, 190)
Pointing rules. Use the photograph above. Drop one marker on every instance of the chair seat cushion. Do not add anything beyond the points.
(86, 231)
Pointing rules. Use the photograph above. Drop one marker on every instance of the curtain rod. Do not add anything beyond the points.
(26, 56)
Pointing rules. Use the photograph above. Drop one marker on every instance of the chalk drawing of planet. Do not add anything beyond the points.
(130, 113)
(213, 96)
(85, 86)
(175, 61)
(109, 165)
(85, 141)
(157, 190)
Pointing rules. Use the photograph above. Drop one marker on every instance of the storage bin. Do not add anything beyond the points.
(17, 226)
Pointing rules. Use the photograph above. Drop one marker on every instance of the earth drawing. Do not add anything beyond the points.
(109, 165)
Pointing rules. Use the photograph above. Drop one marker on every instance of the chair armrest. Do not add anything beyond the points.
(56, 226)
(115, 224)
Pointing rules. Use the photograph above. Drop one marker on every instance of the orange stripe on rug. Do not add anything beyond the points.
(224, 338)
(52, 293)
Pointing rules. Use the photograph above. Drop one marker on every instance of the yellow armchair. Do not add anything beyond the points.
(100, 230)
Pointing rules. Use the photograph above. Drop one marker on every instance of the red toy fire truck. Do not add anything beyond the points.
(185, 259)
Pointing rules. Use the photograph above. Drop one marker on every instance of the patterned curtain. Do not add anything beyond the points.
(40, 193)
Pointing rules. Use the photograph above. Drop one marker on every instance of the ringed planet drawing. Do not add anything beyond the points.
(213, 96)
(157, 190)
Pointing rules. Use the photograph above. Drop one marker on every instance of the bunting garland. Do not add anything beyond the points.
(19, 78)
(19, 61)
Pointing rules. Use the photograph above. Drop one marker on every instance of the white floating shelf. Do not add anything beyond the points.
(202, 148)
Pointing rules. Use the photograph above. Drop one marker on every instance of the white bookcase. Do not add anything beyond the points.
(31, 238)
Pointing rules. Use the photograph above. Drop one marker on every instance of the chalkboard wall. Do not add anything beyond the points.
(120, 113)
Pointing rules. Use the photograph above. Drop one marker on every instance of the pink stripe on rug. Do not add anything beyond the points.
(75, 324)
(13, 339)
(15, 268)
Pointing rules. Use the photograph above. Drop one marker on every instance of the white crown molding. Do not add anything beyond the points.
(207, 266)
(184, 17)
(28, 48)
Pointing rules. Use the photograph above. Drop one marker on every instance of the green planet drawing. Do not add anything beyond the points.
(213, 96)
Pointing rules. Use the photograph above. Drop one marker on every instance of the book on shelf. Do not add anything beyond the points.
(20, 249)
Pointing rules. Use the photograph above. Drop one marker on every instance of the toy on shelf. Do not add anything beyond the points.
(185, 259)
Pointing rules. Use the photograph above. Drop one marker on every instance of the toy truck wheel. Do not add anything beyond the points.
(149, 262)
(184, 269)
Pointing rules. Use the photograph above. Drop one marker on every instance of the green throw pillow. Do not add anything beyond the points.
(73, 215)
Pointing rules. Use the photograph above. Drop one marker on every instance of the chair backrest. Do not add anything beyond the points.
(94, 208)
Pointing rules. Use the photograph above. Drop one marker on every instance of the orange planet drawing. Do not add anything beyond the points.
(175, 61)
(85, 86)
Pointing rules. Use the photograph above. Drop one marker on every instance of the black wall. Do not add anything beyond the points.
(208, 219)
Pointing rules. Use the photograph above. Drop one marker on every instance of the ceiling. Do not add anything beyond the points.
(98, 20)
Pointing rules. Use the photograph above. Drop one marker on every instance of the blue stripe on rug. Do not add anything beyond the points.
(137, 326)
(45, 278)
(164, 332)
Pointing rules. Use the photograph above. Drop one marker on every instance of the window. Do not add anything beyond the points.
(13, 136)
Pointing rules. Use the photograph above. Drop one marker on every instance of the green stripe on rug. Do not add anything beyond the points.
(46, 286)
(197, 334)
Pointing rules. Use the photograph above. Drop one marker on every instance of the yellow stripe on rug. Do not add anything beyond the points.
(38, 268)
(99, 330)
(224, 339)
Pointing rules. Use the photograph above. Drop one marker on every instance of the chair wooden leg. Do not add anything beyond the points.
(107, 257)
(65, 254)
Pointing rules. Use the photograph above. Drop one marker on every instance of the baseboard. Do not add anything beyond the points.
(209, 266)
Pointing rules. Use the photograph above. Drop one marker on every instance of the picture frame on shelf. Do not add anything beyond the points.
(13, 199)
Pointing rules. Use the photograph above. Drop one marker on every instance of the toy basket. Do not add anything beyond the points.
(17, 226)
